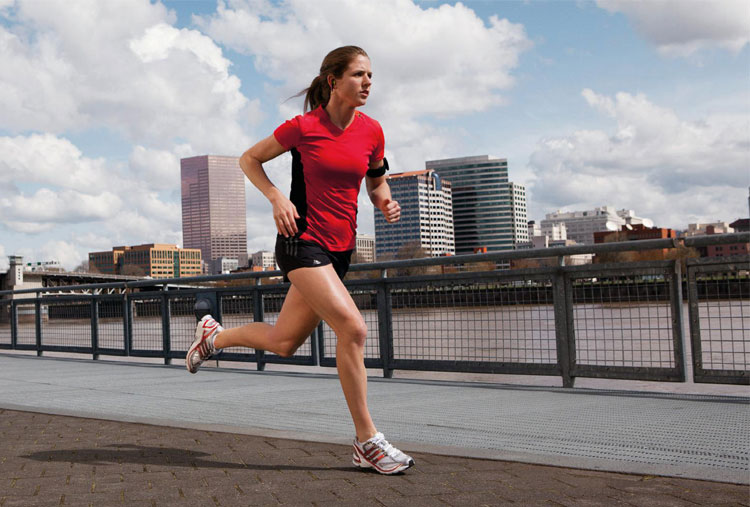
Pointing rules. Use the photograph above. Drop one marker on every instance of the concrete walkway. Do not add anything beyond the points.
(697, 437)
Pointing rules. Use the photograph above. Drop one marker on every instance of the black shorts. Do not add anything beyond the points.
(293, 253)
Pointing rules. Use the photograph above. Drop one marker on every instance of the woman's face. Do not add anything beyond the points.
(353, 87)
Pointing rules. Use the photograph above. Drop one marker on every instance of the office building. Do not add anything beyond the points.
(518, 213)
(223, 265)
(426, 215)
(489, 212)
(213, 207)
(365, 249)
(580, 226)
(154, 260)
(263, 260)
(710, 228)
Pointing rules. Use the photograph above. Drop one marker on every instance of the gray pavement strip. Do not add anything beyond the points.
(699, 437)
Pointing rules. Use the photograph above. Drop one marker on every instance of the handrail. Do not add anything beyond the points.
(505, 255)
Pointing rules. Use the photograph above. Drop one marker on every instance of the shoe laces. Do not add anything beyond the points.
(386, 446)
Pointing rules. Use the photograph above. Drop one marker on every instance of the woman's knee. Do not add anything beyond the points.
(285, 345)
(353, 330)
(287, 349)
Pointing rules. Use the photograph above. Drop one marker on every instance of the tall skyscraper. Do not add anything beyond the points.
(488, 211)
(213, 207)
(518, 212)
(426, 216)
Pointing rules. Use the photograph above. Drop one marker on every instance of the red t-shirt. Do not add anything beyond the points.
(328, 165)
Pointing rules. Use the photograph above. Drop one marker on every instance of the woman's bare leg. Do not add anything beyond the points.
(295, 324)
(328, 298)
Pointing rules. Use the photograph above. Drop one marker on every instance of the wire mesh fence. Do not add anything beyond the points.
(146, 327)
(496, 321)
(612, 321)
(181, 322)
(6, 338)
(111, 323)
(720, 320)
(623, 321)
(66, 324)
(26, 324)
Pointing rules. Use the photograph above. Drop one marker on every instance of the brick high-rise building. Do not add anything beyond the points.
(213, 207)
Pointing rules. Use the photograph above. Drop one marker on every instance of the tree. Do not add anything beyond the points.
(413, 250)
(83, 267)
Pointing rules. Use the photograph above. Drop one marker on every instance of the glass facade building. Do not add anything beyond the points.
(426, 215)
(488, 210)
(213, 207)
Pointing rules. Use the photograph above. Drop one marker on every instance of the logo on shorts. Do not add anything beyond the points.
(316, 262)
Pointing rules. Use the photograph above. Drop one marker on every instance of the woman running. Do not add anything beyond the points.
(333, 147)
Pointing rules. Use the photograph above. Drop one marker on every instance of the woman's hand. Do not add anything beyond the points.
(391, 210)
(284, 214)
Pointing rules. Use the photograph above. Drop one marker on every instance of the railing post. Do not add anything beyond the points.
(385, 325)
(696, 347)
(13, 325)
(166, 343)
(258, 317)
(562, 299)
(127, 324)
(38, 323)
(95, 328)
(679, 338)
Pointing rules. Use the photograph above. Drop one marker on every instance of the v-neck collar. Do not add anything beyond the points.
(335, 128)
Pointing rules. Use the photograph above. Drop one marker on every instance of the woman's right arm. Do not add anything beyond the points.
(284, 212)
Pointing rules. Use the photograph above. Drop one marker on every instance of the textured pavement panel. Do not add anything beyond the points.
(48, 460)
(699, 437)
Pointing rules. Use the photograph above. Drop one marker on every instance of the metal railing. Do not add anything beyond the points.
(616, 320)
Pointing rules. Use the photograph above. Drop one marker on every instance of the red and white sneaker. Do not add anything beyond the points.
(377, 453)
(203, 346)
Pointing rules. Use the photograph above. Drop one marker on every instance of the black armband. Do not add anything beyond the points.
(380, 171)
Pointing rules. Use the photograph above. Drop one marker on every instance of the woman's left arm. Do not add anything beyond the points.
(380, 195)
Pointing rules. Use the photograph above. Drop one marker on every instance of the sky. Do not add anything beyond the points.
(641, 105)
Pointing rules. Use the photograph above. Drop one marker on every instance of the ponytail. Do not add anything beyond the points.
(317, 94)
(334, 64)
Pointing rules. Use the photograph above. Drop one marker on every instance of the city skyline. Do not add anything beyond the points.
(639, 106)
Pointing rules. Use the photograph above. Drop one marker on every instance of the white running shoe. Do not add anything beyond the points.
(377, 453)
(203, 346)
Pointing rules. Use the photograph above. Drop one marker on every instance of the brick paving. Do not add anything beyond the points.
(50, 460)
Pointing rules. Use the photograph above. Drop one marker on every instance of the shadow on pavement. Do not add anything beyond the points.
(162, 456)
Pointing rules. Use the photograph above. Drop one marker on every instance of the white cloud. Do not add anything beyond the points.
(160, 168)
(48, 206)
(44, 158)
(50, 186)
(681, 27)
(67, 254)
(437, 62)
(120, 65)
(666, 168)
